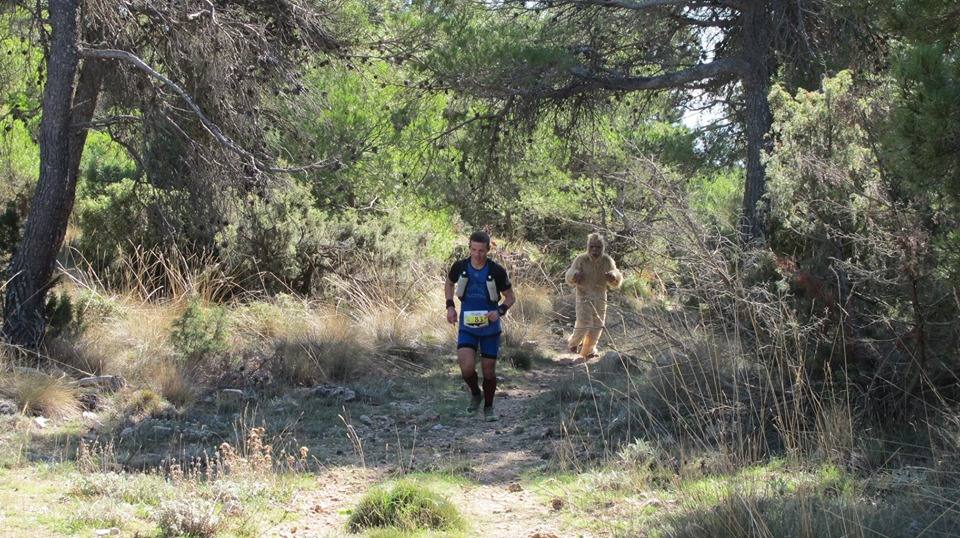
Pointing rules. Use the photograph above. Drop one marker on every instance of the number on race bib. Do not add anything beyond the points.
(476, 318)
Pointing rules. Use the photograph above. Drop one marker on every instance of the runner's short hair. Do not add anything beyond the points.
(480, 236)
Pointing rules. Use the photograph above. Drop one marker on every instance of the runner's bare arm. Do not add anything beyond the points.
(448, 295)
(508, 299)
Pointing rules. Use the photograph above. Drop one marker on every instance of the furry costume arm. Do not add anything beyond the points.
(573, 270)
(612, 270)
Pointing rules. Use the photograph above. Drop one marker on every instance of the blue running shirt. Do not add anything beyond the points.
(476, 303)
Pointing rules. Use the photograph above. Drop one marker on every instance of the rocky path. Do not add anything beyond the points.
(494, 456)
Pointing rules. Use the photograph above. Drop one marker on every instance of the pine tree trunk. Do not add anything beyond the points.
(757, 127)
(60, 147)
(757, 47)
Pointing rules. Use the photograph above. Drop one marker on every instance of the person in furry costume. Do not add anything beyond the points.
(591, 273)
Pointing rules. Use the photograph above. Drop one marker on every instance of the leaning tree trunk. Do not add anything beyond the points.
(32, 266)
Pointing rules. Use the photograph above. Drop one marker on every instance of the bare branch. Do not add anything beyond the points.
(133, 153)
(640, 6)
(464, 123)
(636, 6)
(211, 128)
(704, 23)
(725, 68)
(99, 123)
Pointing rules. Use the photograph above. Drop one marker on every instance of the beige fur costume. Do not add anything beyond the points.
(591, 295)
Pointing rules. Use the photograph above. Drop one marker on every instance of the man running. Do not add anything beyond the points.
(479, 284)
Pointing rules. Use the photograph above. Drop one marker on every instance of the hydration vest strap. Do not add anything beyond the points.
(461, 286)
(492, 289)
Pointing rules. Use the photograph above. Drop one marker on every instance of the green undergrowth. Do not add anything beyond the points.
(771, 499)
(60, 500)
(403, 507)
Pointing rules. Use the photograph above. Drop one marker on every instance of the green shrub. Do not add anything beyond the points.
(113, 218)
(842, 219)
(636, 286)
(146, 402)
(61, 314)
(199, 332)
(405, 506)
(281, 234)
(716, 198)
(20, 158)
(70, 314)
(285, 235)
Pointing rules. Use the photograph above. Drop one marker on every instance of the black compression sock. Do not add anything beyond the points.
(489, 388)
(472, 382)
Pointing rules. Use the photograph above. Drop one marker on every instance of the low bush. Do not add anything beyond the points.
(405, 506)
(199, 332)
(523, 357)
(195, 517)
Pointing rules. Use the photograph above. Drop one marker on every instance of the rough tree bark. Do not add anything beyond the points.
(756, 24)
(32, 266)
(61, 147)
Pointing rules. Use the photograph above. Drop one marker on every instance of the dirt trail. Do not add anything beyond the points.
(495, 456)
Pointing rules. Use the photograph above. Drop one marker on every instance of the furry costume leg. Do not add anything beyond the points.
(591, 311)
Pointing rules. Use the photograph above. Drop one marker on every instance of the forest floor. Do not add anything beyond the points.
(250, 457)
(406, 424)
(482, 467)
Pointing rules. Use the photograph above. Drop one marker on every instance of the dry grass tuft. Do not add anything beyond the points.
(333, 351)
(145, 402)
(175, 384)
(150, 274)
(749, 513)
(271, 319)
(77, 355)
(534, 303)
(38, 393)
(527, 323)
(389, 328)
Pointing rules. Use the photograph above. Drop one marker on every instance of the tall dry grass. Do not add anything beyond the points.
(723, 362)
(331, 349)
(40, 393)
(159, 275)
(727, 371)
(364, 323)
(528, 321)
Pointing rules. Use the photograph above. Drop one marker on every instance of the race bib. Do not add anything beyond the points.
(475, 318)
